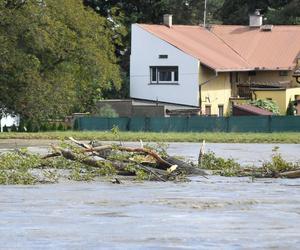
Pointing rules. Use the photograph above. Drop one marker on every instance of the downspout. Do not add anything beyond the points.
(255, 95)
(204, 83)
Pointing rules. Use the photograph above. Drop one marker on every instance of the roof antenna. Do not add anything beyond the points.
(204, 18)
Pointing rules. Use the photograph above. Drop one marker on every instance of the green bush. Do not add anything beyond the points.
(269, 105)
(21, 127)
(53, 127)
(60, 127)
(14, 128)
(106, 111)
(291, 108)
(5, 128)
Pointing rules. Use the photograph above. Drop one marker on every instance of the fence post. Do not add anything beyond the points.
(227, 123)
(187, 124)
(147, 124)
(270, 120)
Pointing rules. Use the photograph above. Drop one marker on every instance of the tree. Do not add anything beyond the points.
(291, 110)
(284, 12)
(150, 11)
(275, 11)
(237, 11)
(56, 57)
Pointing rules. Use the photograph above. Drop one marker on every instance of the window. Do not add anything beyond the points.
(164, 75)
(207, 110)
(283, 73)
(221, 110)
(163, 56)
(252, 73)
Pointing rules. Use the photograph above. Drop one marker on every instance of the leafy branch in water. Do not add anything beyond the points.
(277, 167)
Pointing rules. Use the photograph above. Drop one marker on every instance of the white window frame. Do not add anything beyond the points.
(157, 80)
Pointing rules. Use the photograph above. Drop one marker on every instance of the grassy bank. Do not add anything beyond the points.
(163, 137)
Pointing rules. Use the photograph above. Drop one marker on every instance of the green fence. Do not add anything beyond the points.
(193, 124)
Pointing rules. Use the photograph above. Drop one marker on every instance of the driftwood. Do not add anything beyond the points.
(146, 151)
(290, 174)
(165, 167)
(184, 167)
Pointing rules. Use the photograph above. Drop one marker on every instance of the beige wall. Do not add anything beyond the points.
(216, 92)
(281, 97)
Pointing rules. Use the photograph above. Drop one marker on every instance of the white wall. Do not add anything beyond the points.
(9, 121)
(145, 51)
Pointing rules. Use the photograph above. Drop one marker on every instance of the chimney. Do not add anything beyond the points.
(168, 20)
(256, 19)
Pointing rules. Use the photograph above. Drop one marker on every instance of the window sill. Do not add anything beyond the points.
(165, 83)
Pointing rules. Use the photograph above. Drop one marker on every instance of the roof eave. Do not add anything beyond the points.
(234, 70)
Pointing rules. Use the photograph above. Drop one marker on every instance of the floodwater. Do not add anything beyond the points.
(213, 213)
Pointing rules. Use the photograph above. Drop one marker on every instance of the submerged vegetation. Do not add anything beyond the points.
(277, 167)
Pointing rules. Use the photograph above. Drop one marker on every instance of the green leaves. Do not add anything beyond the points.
(267, 105)
(53, 58)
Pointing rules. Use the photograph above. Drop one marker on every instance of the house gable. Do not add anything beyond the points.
(150, 51)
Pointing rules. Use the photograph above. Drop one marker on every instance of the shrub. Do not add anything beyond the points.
(60, 127)
(106, 111)
(5, 128)
(269, 105)
(14, 128)
(291, 108)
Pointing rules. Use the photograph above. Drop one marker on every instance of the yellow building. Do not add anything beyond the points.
(220, 91)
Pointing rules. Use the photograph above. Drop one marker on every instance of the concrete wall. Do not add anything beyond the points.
(148, 111)
(125, 108)
(216, 92)
(122, 107)
(145, 51)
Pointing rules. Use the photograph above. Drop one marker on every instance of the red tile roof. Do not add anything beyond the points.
(235, 48)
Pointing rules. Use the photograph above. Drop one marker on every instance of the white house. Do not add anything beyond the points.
(160, 71)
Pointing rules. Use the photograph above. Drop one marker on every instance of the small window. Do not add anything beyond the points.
(283, 73)
(163, 56)
(207, 110)
(221, 110)
(252, 73)
(164, 75)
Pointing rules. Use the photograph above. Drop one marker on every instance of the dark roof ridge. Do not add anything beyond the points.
(231, 48)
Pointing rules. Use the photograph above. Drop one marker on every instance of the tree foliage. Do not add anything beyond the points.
(275, 11)
(151, 11)
(56, 57)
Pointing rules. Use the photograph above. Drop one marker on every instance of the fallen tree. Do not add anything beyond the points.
(80, 161)
(75, 160)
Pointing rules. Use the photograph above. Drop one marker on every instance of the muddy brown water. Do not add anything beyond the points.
(214, 213)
